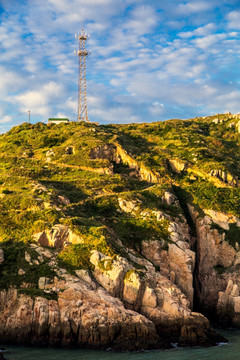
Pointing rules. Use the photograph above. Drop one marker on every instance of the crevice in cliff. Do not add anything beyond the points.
(182, 196)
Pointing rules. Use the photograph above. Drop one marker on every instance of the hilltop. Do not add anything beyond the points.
(114, 235)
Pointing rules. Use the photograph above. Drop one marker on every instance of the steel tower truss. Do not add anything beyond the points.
(82, 84)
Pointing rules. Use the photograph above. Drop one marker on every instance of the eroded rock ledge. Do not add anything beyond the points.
(116, 306)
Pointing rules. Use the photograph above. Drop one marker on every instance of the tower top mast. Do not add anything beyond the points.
(82, 83)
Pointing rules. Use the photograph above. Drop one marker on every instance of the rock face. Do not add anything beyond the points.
(225, 177)
(221, 219)
(106, 151)
(82, 316)
(115, 153)
(128, 206)
(57, 237)
(177, 166)
(238, 127)
(217, 275)
(1, 256)
(155, 297)
(109, 273)
(140, 301)
(228, 306)
(116, 306)
(176, 260)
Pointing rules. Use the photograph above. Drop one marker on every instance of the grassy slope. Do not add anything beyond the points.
(94, 211)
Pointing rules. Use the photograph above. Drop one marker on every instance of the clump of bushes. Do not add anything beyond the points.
(14, 259)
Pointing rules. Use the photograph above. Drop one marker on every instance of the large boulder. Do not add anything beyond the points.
(57, 237)
(132, 287)
(177, 166)
(110, 272)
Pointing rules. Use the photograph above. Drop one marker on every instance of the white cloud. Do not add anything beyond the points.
(194, 7)
(71, 104)
(6, 119)
(118, 115)
(137, 63)
(209, 41)
(156, 108)
(142, 20)
(200, 31)
(233, 18)
(39, 100)
(10, 81)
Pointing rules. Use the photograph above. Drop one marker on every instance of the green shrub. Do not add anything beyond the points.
(14, 259)
(6, 192)
(233, 235)
(76, 256)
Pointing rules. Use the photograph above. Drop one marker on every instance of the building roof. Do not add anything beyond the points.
(58, 119)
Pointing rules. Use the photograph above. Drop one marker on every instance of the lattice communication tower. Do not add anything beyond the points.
(82, 83)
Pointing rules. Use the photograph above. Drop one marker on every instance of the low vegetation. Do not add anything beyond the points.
(43, 183)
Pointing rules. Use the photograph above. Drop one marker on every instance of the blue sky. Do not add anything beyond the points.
(151, 60)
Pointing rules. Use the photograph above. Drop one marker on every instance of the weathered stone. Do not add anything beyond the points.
(41, 283)
(28, 257)
(50, 152)
(96, 257)
(87, 315)
(236, 304)
(168, 198)
(21, 272)
(132, 287)
(58, 236)
(229, 287)
(174, 258)
(228, 306)
(129, 206)
(177, 165)
(40, 188)
(149, 298)
(106, 151)
(218, 279)
(85, 276)
(1, 256)
(115, 153)
(173, 276)
(226, 254)
(110, 273)
(69, 150)
(238, 126)
(63, 200)
(182, 263)
(237, 259)
(224, 176)
(235, 290)
(81, 316)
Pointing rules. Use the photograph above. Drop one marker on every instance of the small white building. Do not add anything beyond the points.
(57, 120)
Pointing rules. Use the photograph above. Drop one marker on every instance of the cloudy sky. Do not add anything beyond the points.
(151, 59)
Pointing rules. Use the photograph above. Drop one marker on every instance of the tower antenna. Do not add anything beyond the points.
(82, 84)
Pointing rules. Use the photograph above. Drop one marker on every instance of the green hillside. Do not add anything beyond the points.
(75, 174)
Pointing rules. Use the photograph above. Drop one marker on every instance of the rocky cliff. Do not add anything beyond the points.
(114, 306)
(123, 237)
